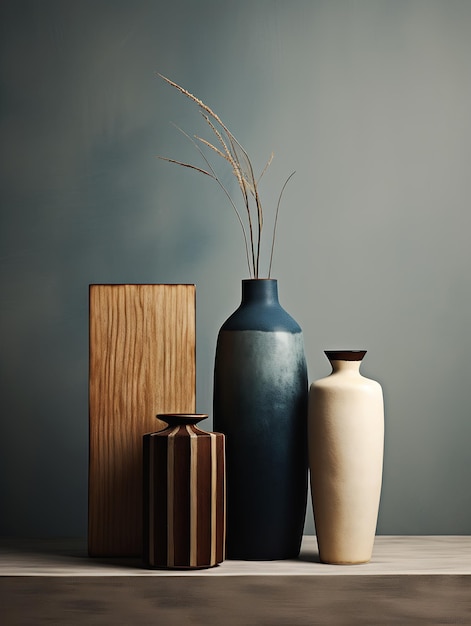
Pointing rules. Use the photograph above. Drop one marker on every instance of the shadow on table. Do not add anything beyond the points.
(309, 555)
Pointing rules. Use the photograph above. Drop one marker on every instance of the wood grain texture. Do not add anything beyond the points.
(142, 362)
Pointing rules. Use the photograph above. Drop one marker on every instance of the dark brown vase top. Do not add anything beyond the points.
(345, 355)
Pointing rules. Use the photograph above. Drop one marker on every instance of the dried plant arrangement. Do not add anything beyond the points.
(225, 145)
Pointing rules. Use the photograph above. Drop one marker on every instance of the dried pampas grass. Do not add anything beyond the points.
(231, 151)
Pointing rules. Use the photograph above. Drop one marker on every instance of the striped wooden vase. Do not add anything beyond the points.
(184, 495)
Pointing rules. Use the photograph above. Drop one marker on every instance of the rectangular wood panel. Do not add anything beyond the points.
(142, 362)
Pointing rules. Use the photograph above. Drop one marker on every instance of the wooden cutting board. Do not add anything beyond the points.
(142, 362)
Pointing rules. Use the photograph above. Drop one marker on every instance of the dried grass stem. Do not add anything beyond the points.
(231, 151)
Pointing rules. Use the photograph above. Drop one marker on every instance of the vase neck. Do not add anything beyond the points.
(260, 290)
(345, 360)
(260, 310)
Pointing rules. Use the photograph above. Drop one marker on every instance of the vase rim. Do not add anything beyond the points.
(162, 415)
(345, 355)
(182, 419)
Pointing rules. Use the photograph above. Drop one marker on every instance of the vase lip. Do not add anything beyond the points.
(345, 355)
(259, 280)
(174, 419)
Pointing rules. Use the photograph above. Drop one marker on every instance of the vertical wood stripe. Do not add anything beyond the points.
(151, 506)
(193, 496)
(204, 499)
(146, 495)
(159, 528)
(221, 496)
(214, 503)
(171, 497)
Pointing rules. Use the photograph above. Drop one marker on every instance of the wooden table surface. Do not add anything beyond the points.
(410, 580)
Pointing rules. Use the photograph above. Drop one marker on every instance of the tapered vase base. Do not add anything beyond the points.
(339, 562)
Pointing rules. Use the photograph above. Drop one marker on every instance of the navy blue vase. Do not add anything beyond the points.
(260, 404)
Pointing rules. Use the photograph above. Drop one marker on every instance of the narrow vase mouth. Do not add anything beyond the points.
(345, 355)
(176, 419)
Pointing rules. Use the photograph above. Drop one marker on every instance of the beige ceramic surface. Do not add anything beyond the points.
(346, 436)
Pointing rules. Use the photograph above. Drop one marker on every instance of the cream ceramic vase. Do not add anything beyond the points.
(346, 437)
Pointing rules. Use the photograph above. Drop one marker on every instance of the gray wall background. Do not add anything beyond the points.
(368, 100)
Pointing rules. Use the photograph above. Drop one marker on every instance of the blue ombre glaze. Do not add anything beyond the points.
(260, 309)
(260, 403)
